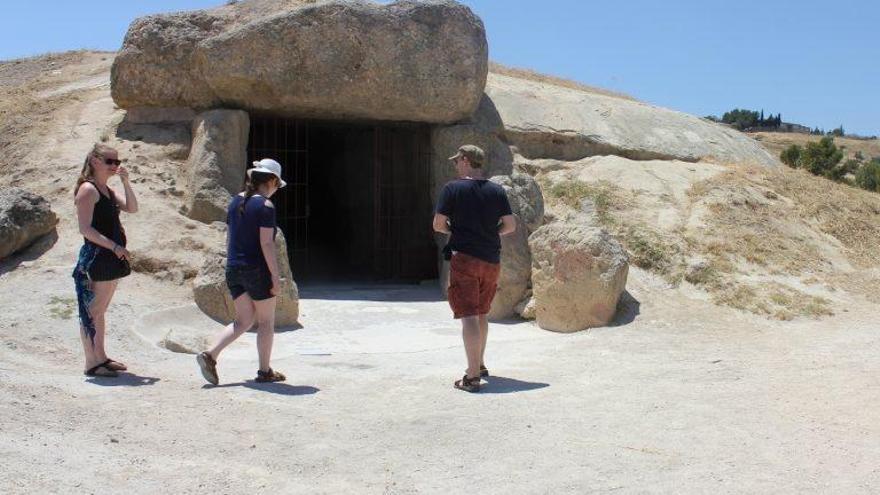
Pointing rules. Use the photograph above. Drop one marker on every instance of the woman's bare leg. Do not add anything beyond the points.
(94, 350)
(265, 315)
(244, 320)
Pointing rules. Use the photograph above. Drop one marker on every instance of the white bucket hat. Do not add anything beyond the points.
(268, 166)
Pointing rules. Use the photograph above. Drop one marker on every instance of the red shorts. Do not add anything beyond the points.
(472, 284)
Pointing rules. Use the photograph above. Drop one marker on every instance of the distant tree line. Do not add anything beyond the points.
(824, 158)
(746, 119)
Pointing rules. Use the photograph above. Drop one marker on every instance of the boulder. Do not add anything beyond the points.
(24, 218)
(516, 271)
(216, 165)
(212, 296)
(527, 204)
(525, 196)
(578, 274)
(407, 61)
(483, 129)
(547, 121)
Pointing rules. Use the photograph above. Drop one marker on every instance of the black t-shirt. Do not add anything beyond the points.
(474, 208)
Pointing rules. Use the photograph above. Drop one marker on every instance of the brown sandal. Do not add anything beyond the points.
(468, 384)
(208, 366)
(270, 376)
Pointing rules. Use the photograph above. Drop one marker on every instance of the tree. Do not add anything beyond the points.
(821, 158)
(741, 119)
(790, 155)
(839, 132)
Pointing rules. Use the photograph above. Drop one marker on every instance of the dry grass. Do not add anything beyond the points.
(770, 299)
(761, 227)
(531, 75)
(850, 215)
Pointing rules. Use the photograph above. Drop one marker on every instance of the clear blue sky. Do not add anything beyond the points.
(816, 62)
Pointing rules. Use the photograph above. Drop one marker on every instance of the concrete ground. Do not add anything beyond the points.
(681, 396)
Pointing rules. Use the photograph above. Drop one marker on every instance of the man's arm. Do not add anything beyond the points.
(508, 225)
(440, 224)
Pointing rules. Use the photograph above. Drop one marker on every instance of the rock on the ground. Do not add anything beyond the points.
(527, 204)
(24, 218)
(525, 196)
(217, 162)
(484, 129)
(406, 61)
(212, 296)
(578, 274)
(547, 121)
(526, 308)
(516, 271)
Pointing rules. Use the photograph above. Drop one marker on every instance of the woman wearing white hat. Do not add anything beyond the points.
(251, 269)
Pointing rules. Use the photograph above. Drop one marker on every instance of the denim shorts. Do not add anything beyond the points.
(256, 281)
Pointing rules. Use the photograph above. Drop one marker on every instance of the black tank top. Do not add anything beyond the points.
(105, 217)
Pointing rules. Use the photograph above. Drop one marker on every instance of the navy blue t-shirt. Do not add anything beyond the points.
(474, 208)
(243, 246)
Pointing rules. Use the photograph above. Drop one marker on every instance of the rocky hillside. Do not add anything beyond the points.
(701, 209)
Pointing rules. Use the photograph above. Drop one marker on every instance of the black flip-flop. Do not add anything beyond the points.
(102, 370)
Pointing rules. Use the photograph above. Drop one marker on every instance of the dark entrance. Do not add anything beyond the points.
(357, 206)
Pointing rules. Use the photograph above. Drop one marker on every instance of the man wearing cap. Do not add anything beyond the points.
(475, 213)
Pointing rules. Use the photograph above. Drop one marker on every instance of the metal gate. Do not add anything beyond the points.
(403, 211)
(287, 141)
(402, 245)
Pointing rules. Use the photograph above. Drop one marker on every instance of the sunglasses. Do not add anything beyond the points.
(112, 161)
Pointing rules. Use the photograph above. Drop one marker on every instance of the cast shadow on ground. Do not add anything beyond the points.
(30, 253)
(503, 385)
(125, 379)
(372, 292)
(273, 387)
(628, 308)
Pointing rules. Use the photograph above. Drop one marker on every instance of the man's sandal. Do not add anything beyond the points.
(102, 370)
(270, 376)
(468, 384)
(483, 372)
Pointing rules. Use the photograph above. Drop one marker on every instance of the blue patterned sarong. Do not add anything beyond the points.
(84, 293)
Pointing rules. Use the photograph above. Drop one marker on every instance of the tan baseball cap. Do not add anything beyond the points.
(473, 153)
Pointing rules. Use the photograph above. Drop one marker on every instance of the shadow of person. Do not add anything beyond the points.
(271, 387)
(503, 385)
(125, 379)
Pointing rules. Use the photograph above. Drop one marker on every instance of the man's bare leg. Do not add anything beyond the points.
(484, 337)
(470, 332)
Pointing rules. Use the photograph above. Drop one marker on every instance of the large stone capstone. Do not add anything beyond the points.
(423, 61)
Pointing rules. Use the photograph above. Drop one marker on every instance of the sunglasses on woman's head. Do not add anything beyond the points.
(112, 161)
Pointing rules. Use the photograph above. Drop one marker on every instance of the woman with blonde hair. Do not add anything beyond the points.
(103, 258)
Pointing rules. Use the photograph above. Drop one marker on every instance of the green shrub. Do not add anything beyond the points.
(868, 177)
(821, 158)
(790, 155)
